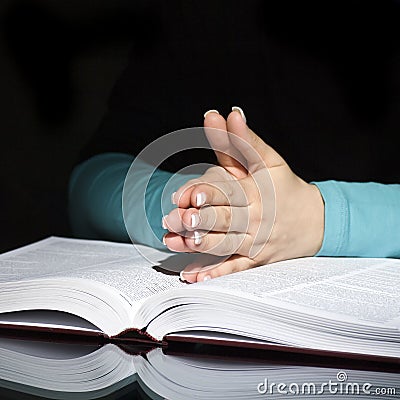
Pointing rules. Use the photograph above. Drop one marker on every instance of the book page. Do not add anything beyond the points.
(58, 255)
(47, 350)
(364, 289)
(47, 318)
(120, 266)
(130, 277)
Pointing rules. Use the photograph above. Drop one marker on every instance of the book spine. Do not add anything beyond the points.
(134, 335)
(51, 334)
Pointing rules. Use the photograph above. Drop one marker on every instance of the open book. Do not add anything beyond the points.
(65, 371)
(110, 292)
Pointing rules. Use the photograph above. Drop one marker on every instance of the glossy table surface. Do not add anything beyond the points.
(33, 370)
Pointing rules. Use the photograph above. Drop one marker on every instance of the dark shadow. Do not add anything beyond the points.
(355, 38)
(174, 264)
(44, 44)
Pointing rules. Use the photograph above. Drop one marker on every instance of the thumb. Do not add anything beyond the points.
(228, 156)
(256, 152)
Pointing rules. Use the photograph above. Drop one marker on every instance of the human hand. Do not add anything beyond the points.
(243, 215)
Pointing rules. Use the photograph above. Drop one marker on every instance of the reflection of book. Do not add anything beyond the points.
(81, 372)
(345, 306)
(64, 370)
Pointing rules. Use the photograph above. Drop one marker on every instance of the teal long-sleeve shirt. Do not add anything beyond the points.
(361, 219)
(96, 206)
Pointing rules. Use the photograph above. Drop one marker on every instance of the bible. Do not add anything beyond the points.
(70, 289)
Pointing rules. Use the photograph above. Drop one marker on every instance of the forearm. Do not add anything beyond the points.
(95, 200)
(361, 219)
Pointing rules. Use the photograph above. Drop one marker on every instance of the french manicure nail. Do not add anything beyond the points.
(173, 198)
(197, 238)
(181, 276)
(194, 220)
(206, 278)
(236, 108)
(163, 240)
(200, 199)
(163, 224)
(210, 111)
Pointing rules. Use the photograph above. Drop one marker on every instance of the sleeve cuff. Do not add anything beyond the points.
(336, 232)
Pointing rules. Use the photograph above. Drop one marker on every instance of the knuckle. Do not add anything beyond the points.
(227, 217)
(205, 221)
(235, 267)
(215, 272)
(241, 194)
(227, 190)
(190, 184)
(244, 244)
(228, 244)
(218, 247)
(256, 215)
(204, 245)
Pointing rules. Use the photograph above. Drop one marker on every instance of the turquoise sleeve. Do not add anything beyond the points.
(95, 200)
(361, 219)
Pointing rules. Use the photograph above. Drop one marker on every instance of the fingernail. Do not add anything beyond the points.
(173, 198)
(163, 224)
(181, 276)
(194, 220)
(200, 199)
(210, 111)
(238, 109)
(197, 238)
(206, 278)
(163, 240)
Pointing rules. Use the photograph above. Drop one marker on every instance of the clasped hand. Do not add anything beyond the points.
(252, 208)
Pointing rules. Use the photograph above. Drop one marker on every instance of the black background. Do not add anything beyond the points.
(336, 72)
(56, 75)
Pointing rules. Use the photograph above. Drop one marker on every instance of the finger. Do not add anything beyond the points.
(182, 197)
(220, 219)
(217, 243)
(189, 274)
(176, 242)
(256, 152)
(233, 264)
(225, 193)
(228, 156)
(214, 174)
(174, 220)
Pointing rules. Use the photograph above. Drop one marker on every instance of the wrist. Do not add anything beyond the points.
(316, 215)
